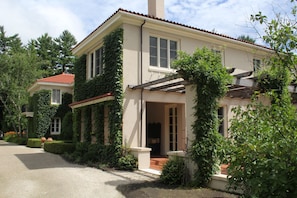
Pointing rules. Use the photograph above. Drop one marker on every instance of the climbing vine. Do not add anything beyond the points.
(40, 104)
(204, 69)
(108, 82)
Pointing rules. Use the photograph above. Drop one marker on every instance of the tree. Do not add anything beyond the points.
(17, 71)
(9, 44)
(65, 42)
(47, 52)
(281, 36)
(262, 152)
(246, 38)
(55, 53)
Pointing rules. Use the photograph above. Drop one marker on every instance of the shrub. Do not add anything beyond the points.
(173, 171)
(91, 153)
(15, 137)
(59, 147)
(127, 162)
(34, 143)
(263, 150)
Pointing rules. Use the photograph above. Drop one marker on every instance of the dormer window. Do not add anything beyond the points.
(162, 52)
(56, 96)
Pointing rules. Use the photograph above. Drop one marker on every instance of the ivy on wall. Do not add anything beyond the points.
(40, 104)
(43, 113)
(109, 82)
(204, 69)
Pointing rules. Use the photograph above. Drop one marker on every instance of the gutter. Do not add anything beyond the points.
(141, 80)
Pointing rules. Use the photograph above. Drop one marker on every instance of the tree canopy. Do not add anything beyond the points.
(21, 65)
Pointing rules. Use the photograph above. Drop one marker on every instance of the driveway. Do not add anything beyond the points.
(31, 172)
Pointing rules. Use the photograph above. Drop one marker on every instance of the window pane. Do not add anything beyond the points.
(163, 53)
(56, 96)
(256, 65)
(92, 65)
(173, 51)
(97, 61)
(153, 51)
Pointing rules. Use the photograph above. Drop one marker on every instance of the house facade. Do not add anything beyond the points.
(156, 105)
(49, 100)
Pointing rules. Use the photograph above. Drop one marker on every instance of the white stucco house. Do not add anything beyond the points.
(157, 107)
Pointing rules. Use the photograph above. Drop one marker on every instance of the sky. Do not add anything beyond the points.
(32, 18)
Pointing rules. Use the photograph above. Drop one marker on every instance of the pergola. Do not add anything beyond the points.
(243, 85)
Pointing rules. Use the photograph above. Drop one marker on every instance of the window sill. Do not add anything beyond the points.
(161, 70)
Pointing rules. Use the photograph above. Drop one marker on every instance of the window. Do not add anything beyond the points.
(173, 129)
(162, 52)
(221, 120)
(56, 96)
(56, 126)
(256, 65)
(96, 63)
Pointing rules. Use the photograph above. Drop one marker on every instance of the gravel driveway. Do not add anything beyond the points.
(31, 173)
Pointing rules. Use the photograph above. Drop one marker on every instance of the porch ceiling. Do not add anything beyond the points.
(243, 84)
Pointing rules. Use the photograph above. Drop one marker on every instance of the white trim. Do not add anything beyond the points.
(99, 100)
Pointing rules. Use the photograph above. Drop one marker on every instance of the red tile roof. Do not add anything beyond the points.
(61, 78)
(170, 22)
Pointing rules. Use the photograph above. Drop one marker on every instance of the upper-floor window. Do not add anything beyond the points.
(96, 62)
(56, 96)
(55, 126)
(256, 65)
(162, 52)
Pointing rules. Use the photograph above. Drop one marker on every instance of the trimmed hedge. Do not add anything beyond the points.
(59, 147)
(34, 143)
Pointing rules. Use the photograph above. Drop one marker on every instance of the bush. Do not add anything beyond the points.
(263, 150)
(173, 171)
(15, 137)
(59, 147)
(91, 153)
(127, 162)
(34, 143)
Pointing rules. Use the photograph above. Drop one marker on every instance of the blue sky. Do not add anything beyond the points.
(32, 18)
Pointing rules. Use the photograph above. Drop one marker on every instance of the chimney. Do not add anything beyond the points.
(156, 8)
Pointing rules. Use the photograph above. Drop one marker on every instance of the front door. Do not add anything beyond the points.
(172, 127)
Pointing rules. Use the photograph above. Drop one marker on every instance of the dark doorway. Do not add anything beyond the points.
(154, 138)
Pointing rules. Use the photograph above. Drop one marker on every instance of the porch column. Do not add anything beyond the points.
(143, 155)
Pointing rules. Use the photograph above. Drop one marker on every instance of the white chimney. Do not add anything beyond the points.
(156, 8)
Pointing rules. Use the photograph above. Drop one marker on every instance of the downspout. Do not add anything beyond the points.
(141, 81)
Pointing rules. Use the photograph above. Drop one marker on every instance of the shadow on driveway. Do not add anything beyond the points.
(44, 160)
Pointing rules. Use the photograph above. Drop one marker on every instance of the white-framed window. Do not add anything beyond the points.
(56, 96)
(221, 111)
(96, 62)
(55, 126)
(256, 65)
(162, 51)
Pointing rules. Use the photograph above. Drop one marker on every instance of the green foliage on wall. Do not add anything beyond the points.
(76, 125)
(108, 82)
(204, 69)
(87, 123)
(99, 123)
(66, 128)
(40, 104)
(43, 112)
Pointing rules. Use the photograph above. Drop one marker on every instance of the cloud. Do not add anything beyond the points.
(32, 18)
